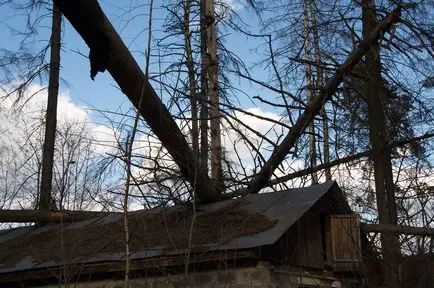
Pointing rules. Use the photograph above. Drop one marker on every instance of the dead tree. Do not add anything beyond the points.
(213, 92)
(319, 83)
(309, 90)
(379, 135)
(108, 52)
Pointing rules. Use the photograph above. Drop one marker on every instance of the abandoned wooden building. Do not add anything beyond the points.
(305, 237)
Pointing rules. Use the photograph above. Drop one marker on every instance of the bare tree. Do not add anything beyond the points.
(309, 83)
(379, 136)
(213, 91)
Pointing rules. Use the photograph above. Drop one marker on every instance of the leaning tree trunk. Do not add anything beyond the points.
(107, 51)
(261, 179)
(344, 160)
(379, 136)
(51, 115)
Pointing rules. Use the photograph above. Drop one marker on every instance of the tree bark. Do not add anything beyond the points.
(319, 85)
(51, 115)
(204, 113)
(261, 179)
(309, 91)
(378, 134)
(107, 51)
(191, 80)
(216, 146)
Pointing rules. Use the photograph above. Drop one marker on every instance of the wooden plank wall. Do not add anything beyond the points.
(343, 242)
(302, 245)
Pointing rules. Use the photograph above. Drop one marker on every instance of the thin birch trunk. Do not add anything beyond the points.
(216, 149)
(191, 79)
(129, 152)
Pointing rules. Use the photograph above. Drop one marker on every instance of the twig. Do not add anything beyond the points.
(128, 151)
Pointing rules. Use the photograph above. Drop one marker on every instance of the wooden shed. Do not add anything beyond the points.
(305, 237)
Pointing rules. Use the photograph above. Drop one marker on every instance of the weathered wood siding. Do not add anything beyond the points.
(343, 242)
(303, 244)
(320, 240)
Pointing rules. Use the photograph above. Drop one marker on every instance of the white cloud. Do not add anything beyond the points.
(251, 127)
(21, 140)
(224, 7)
(105, 138)
(30, 107)
(234, 4)
(70, 112)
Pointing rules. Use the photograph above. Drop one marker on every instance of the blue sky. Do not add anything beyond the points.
(74, 67)
(102, 94)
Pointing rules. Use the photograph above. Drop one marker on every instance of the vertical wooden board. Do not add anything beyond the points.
(328, 242)
(310, 242)
(345, 241)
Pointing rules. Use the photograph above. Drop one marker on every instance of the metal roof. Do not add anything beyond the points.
(284, 208)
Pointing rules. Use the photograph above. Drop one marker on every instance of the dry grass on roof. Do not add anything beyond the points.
(169, 228)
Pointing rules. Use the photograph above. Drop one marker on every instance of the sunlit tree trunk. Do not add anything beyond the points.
(191, 79)
(216, 149)
(320, 85)
(379, 136)
(50, 124)
(309, 91)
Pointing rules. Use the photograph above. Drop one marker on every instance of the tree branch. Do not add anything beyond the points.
(397, 229)
(261, 179)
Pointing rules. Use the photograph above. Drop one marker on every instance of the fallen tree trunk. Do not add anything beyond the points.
(397, 229)
(45, 216)
(107, 51)
(261, 179)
